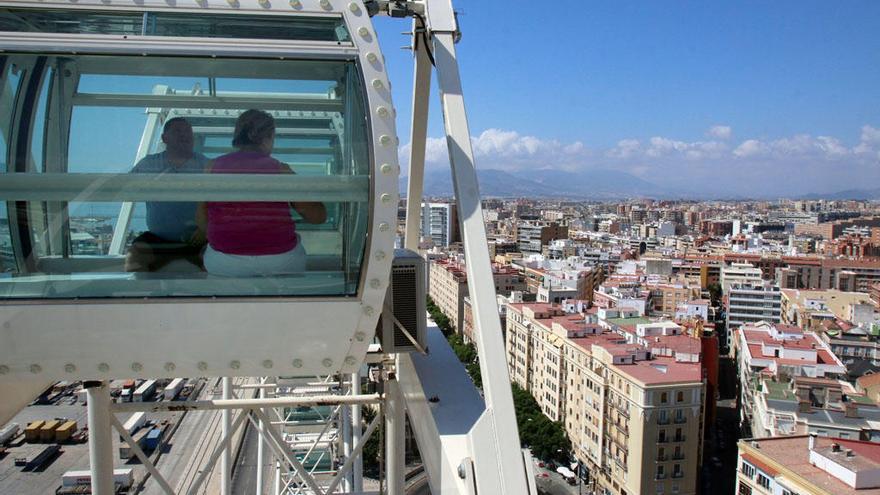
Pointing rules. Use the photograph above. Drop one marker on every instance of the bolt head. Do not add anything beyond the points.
(350, 361)
(297, 363)
(368, 310)
(383, 227)
(382, 111)
(380, 255)
(69, 368)
(375, 283)
(136, 367)
(235, 364)
(372, 57)
(268, 363)
(169, 366)
(203, 366)
(103, 367)
(4, 369)
(327, 362)
(360, 336)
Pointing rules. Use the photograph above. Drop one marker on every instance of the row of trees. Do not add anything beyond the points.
(546, 438)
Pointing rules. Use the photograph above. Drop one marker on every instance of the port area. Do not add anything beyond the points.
(186, 437)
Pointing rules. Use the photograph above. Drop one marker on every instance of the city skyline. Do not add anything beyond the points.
(752, 100)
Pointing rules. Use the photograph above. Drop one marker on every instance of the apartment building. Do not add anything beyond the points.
(808, 309)
(635, 419)
(786, 372)
(533, 236)
(807, 465)
(751, 303)
(845, 274)
(448, 286)
(440, 223)
(666, 297)
(739, 273)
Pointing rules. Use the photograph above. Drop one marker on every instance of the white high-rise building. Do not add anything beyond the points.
(751, 303)
(439, 223)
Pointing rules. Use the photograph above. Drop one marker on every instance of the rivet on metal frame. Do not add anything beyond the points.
(136, 367)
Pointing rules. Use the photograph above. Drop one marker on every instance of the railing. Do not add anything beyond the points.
(680, 419)
(662, 421)
(679, 474)
(183, 187)
(679, 438)
(661, 458)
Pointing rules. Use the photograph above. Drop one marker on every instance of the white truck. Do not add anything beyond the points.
(9, 433)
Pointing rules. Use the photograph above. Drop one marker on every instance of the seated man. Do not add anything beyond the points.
(172, 231)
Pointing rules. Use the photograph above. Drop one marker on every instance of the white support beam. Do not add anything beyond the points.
(495, 440)
(225, 426)
(395, 440)
(356, 454)
(418, 138)
(269, 402)
(358, 468)
(100, 437)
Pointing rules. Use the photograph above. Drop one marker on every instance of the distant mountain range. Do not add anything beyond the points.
(588, 184)
(848, 194)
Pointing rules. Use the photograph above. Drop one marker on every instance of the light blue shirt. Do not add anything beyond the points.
(171, 220)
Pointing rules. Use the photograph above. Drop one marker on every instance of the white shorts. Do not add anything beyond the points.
(238, 265)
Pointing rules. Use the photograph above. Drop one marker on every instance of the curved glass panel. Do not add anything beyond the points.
(132, 176)
(204, 25)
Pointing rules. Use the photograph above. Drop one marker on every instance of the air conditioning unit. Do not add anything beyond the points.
(403, 325)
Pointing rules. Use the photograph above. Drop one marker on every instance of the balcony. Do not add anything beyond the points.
(660, 476)
(662, 439)
(678, 438)
(663, 421)
(680, 419)
(679, 474)
(678, 456)
(662, 458)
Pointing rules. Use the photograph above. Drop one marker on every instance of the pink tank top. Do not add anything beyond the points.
(250, 228)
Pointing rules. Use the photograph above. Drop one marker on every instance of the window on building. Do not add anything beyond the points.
(679, 396)
(664, 397)
(748, 470)
(763, 481)
(661, 472)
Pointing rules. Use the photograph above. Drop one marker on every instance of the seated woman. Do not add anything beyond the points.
(254, 238)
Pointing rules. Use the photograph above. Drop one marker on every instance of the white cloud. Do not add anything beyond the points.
(799, 163)
(749, 147)
(723, 132)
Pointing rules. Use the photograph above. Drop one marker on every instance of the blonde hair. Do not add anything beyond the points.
(252, 128)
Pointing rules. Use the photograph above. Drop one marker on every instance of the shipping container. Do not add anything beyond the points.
(47, 432)
(128, 384)
(173, 388)
(145, 391)
(82, 396)
(122, 478)
(151, 442)
(9, 433)
(125, 449)
(65, 431)
(32, 432)
(134, 422)
(125, 395)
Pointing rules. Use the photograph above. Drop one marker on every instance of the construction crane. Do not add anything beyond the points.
(87, 86)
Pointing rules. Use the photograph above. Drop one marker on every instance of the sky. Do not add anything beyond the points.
(749, 98)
